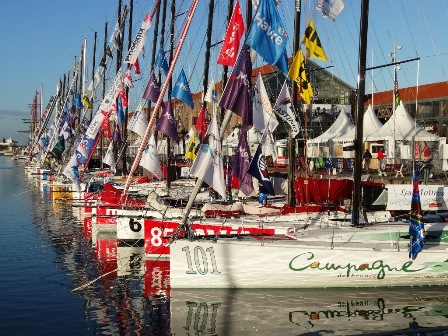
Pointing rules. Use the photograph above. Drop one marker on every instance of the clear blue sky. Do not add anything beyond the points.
(41, 38)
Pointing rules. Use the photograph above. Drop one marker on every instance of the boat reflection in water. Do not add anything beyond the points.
(319, 312)
(126, 294)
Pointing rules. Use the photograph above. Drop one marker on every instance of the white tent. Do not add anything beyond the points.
(341, 126)
(401, 126)
(371, 128)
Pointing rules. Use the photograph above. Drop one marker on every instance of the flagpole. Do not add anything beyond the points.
(360, 110)
(160, 99)
(297, 107)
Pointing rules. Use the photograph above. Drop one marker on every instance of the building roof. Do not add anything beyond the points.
(425, 92)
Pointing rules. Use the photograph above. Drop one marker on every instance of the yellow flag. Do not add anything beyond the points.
(85, 100)
(312, 43)
(298, 74)
(190, 154)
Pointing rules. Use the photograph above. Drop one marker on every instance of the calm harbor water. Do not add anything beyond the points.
(47, 252)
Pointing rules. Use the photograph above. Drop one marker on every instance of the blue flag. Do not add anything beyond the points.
(259, 170)
(161, 62)
(282, 63)
(120, 112)
(237, 93)
(77, 101)
(267, 35)
(167, 124)
(182, 90)
(84, 149)
(416, 226)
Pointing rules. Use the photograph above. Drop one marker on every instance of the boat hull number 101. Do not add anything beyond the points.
(201, 261)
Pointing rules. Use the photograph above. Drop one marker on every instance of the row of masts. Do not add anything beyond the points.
(167, 87)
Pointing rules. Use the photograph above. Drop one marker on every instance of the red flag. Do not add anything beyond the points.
(105, 125)
(137, 67)
(231, 44)
(201, 123)
(122, 94)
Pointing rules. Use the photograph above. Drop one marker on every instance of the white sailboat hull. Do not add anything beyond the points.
(292, 264)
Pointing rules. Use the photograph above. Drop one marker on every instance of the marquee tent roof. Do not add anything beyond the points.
(341, 126)
(372, 125)
(402, 126)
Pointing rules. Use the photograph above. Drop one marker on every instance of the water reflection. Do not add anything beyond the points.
(125, 294)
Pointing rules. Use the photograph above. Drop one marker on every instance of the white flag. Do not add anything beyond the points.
(139, 40)
(208, 165)
(285, 110)
(138, 122)
(68, 170)
(109, 156)
(263, 114)
(150, 158)
(268, 144)
(210, 95)
(127, 79)
(330, 8)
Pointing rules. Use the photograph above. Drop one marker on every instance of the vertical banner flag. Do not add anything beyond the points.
(267, 35)
(127, 79)
(85, 148)
(138, 122)
(268, 143)
(201, 122)
(416, 225)
(85, 100)
(312, 43)
(167, 124)
(181, 90)
(152, 91)
(109, 156)
(330, 8)
(210, 95)
(59, 148)
(285, 110)
(161, 62)
(139, 40)
(191, 147)
(116, 137)
(232, 38)
(259, 170)
(120, 112)
(68, 171)
(237, 96)
(240, 165)
(263, 113)
(297, 73)
(208, 165)
(150, 158)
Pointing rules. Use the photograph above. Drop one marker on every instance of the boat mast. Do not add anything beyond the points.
(103, 93)
(297, 107)
(225, 68)
(125, 125)
(160, 99)
(169, 168)
(362, 58)
(154, 47)
(224, 125)
(93, 73)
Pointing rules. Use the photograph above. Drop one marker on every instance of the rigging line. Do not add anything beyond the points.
(409, 28)
(380, 54)
(444, 7)
(432, 39)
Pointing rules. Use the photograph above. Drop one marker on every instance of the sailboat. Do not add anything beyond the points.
(300, 250)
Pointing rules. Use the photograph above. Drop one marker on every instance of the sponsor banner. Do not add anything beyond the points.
(432, 197)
